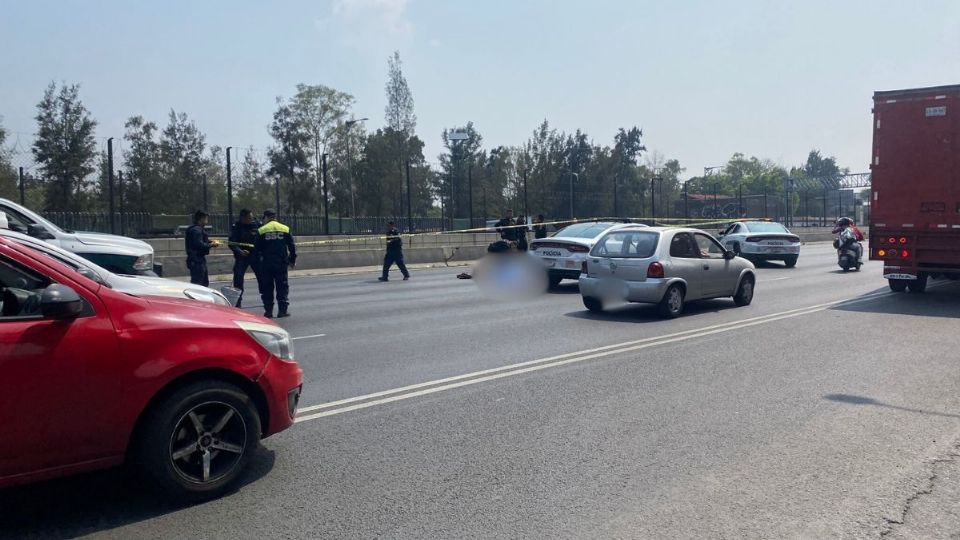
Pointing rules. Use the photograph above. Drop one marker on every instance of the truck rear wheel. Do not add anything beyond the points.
(897, 285)
(918, 285)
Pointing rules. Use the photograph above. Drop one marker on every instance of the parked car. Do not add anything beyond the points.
(182, 391)
(663, 266)
(762, 241)
(118, 254)
(563, 253)
(135, 285)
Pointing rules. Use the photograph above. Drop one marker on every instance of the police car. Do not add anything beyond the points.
(564, 253)
(762, 241)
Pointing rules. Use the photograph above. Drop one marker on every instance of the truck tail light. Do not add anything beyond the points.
(881, 253)
(892, 240)
(903, 240)
(904, 254)
(655, 270)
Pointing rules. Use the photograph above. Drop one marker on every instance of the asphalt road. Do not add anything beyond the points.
(827, 408)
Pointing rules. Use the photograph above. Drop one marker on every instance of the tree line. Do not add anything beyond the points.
(173, 169)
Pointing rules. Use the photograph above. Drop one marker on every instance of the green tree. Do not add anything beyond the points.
(254, 189)
(183, 164)
(401, 125)
(9, 188)
(290, 161)
(455, 164)
(143, 180)
(65, 149)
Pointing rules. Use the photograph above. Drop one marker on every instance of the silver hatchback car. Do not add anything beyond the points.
(663, 266)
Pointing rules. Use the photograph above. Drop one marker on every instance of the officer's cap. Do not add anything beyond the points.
(269, 214)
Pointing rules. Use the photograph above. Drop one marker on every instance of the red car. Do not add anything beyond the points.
(92, 378)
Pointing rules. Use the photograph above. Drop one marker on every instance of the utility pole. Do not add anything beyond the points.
(276, 187)
(526, 209)
(326, 199)
(22, 198)
(205, 202)
(616, 196)
(740, 202)
(653, 202)
(470, 195)
(113, 217)
(573, 214)
(686, 209)
(409, 201)
(230, 188)
(123, 221)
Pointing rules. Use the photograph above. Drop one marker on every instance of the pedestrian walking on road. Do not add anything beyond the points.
(539, 229)
(278, 253)
(243, 239)
(394, 253)
(198, 245)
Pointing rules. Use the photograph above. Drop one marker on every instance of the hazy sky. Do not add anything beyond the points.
(702, 79)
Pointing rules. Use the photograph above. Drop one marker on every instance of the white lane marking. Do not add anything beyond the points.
(309, 337)
(541, 360)
(560, 360)
(776, 279)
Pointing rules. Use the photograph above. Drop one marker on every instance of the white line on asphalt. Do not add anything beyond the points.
(440, 385)
(309, 337)
(776, 279)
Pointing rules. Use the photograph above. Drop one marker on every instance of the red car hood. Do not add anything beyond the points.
(202, 313)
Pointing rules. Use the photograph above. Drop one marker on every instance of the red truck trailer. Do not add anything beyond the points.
(915, 182)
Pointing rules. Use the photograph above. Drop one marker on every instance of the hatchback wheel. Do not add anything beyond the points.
(593, 304)
(672, 304)
(744, 294)
(196, 443)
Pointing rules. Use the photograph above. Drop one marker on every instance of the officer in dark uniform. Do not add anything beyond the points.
(277, 253)
(198, 245)
(394, 253)
(506, 227)
(243, 237)
(539, 229)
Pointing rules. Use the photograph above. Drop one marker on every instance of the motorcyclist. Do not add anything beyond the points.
(848, 236)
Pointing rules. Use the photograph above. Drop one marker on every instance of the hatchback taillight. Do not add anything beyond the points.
(655, 270)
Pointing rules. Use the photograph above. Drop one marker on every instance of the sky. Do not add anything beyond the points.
(702, 79)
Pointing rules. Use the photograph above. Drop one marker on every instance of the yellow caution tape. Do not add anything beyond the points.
(696, 223)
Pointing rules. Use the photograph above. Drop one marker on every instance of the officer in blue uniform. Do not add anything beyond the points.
(278, 253)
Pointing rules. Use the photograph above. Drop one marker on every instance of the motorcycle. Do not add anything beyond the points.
(849, 252)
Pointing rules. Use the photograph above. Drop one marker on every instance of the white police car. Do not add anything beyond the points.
(762, 241)
(564, 253)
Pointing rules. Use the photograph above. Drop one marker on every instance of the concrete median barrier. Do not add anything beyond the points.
(326, 252)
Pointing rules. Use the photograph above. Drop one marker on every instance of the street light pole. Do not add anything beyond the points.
(573, 213)
(326, 198)
(353, 192)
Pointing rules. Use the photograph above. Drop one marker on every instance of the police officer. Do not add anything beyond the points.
(277, 253)
(539, 229)
(394, 253)
(506, 227)
(243, 237)
(198, 245)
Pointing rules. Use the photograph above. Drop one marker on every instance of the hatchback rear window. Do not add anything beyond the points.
(627, 244)
(583, 230)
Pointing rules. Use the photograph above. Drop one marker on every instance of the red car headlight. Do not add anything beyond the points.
(274, 339)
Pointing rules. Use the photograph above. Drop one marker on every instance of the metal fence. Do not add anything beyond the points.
(143, 225)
